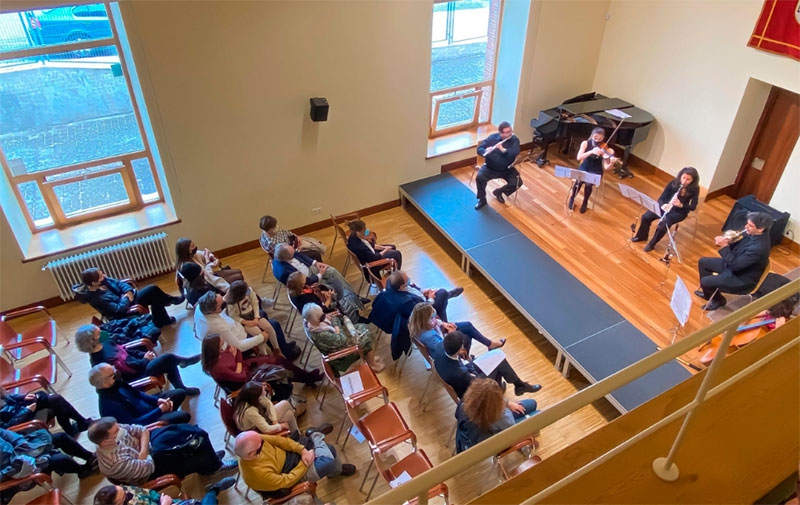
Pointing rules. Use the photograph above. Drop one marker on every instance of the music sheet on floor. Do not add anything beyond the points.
(351, 383)
(488, 361)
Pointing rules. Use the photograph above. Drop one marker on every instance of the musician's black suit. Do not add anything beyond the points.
(739, 268)
(498, 165)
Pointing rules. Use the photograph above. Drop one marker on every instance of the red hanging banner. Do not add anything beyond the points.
(778, 28)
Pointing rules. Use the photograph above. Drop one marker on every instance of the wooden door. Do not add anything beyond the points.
(772, 143)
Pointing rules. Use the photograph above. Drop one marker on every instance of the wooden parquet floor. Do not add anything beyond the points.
(591, 246)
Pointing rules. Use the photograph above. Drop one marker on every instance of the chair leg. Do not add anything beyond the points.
(472, 175)
(264, 275)
(276, 292)
(425, 391)
(62, 364)
(335, 236)
(324, 394)
(290, 320)
(338, 435)
(374, 481)
(346, 265)
(366, 474)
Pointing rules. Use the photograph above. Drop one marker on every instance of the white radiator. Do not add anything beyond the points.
(136, 259)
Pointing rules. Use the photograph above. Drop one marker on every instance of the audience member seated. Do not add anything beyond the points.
(17, 409)
(272, 236)
(363, 243)
(244, 307)
(130, 454)
(287, 261)
(132, 495)
(116, 398)
(219, 277)
(253, 410)
(392, 308)
(195, 284)
(113, 298)
(430, 330)
(484, 412)
(301, 294)
(226, 365)
(39, 451)
(132, 364)
(210, 318)
(333, 332)
(273, 464)
(458, 374)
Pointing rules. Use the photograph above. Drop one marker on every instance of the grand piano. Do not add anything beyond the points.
(578, 116)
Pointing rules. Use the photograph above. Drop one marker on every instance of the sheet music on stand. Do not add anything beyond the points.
(351, 383)
(681, 302)
(488, 361)
(629, 192)
(579, 175)
(651, 205)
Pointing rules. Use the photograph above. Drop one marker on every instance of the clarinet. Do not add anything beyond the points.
(668, 206)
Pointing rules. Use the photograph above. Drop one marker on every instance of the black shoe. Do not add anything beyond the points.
(524, 387)
(325, 429)
(364, 300)
(293, 354)
(455, 292)
(715, 304)
(175, 300)
(637, 239)
(481, 204)
(648, 248)
(189, 361)
(633, 228)
(220, 455)
(701, 294)
(347, 470)
(221, 485)
(161, 324)
(583, 208)
(499, 195)
(571, 203)
(89, 468)
(192, 391)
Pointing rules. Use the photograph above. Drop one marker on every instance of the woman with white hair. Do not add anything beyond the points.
(334, 332)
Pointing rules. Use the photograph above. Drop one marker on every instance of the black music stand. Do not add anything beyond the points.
(577, 176)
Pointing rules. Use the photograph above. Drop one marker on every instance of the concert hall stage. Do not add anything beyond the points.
(587, 333)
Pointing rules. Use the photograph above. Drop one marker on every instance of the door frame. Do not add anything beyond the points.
(748, 155)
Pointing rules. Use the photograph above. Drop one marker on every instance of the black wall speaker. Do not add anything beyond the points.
(319, 109)
(738, 217)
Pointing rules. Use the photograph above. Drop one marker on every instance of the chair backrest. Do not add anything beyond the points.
(7, 334)
(424, 351)
(764, 275)
(447, 387)
(226, 412)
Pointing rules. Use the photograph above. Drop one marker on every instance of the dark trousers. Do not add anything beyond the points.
(471, 333)
(394, 254)
(63, 411)
(176, 416)
(285, 347)
(725, 281)
(202, 460)
(440, 301)
(486, 174)
(661, 230)
(62, 462)
(166, 364)
(505, 372)
(157, 300)
(587, 192)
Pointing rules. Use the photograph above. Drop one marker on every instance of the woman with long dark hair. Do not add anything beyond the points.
(678, 199)
(595, 160)
(217, 276)
(253, 410)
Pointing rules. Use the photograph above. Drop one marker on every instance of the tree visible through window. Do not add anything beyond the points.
(71, 133)
(463, 51)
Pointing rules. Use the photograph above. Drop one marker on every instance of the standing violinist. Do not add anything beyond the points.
(499, 150)
(683, 191)
(742, 262)
(595, 158)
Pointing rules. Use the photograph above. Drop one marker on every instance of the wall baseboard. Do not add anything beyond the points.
(726, 191)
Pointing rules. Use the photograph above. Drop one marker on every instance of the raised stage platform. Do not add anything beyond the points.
(587, 333)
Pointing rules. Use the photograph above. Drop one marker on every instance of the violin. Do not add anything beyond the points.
(603, 146)
(733, 236)
(748, 332)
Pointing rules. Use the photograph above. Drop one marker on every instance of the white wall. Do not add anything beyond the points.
(688, 64)
(227, 86)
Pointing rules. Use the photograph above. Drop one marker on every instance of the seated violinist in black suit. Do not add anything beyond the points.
(743, 260)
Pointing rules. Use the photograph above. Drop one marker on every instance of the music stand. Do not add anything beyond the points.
(671, 246)
(576, 176)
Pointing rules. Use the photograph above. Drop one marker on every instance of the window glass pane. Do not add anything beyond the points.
(144, 178)
(456, 112)
(91, 194)
(35, 203)
(458, 45)
(34, 28)
(57, 114)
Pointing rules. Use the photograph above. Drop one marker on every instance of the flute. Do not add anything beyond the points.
(490, 149)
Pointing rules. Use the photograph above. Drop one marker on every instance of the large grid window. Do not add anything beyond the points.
(463, 56)
(72, 139)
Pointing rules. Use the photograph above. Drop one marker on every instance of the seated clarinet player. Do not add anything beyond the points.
(676, 201)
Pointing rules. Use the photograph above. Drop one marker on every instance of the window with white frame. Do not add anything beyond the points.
(464, 45)
(72, 137)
